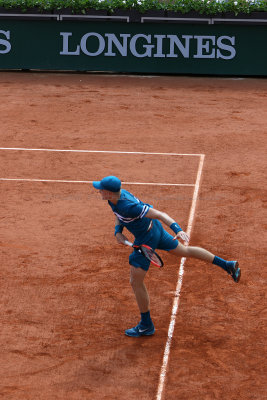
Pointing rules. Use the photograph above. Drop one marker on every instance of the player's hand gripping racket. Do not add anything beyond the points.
(147, 252)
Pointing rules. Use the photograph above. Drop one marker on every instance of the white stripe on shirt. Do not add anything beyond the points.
(128, 220)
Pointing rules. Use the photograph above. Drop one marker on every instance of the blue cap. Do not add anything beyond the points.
(111, 183)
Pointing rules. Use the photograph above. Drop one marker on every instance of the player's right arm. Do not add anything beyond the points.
(121, 238)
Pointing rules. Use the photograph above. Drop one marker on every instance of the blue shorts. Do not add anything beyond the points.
(157, 238)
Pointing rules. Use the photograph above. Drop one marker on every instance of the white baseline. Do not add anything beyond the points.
(100, 151)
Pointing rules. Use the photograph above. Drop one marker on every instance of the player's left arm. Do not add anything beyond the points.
(170, 222)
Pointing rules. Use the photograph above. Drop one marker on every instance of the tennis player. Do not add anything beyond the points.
(144, 222)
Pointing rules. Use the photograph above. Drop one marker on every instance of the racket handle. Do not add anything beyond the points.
(128, 243)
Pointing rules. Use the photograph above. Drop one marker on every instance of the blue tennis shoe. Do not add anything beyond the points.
(140, 330)
(234, 270)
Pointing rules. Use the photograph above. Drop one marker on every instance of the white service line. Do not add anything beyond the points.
(99, 151)
(179, 286)
(66, 181)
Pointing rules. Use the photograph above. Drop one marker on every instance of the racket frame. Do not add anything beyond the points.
(139, 248)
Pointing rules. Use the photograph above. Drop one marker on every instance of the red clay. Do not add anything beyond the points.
(65, 292)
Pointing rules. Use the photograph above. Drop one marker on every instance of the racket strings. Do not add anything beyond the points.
(151, 255)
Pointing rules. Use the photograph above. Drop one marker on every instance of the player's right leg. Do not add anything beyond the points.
(194, 252)
(231, 267)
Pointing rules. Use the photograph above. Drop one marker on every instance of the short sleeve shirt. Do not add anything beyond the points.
(131, 212)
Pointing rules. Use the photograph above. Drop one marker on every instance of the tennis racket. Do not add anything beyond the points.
(148, 253)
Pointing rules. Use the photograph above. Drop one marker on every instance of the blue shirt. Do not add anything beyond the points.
(131, 212)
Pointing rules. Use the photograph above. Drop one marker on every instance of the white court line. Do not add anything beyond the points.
(100, 151)
(178, 286)
(124, 183)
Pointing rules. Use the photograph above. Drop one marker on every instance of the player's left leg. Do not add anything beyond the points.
(145, 326)
(231, 267)
(137, 276)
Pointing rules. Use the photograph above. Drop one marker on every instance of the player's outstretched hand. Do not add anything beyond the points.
(182, 235)
(121, 238)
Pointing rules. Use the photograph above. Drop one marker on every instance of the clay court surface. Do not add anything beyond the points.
(65, 293)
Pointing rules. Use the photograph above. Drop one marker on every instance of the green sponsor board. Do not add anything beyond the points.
(133, 47)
